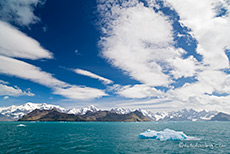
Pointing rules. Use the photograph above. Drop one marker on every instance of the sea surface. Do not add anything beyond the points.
(110, 137)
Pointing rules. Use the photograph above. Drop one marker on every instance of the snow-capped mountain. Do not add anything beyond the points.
(182, 115)
(189, 115)
(121, 110)
(82, 111)
(147, 114)
(17, 112)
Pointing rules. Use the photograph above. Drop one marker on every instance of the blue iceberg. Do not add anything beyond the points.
(165, 135)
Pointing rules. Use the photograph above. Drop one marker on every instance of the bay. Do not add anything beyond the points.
(110, 137)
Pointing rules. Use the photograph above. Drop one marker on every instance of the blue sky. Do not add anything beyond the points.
(156, 55)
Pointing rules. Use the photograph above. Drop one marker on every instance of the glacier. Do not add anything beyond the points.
(165, 135)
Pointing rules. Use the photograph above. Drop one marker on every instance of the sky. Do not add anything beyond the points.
(159, 55)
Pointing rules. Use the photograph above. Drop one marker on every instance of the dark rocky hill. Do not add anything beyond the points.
(221, 117)
(54, 115)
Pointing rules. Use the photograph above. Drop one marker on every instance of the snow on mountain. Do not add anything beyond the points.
(159, 116)
(82, 111)
(121, 110)
(182, 115)
(17, 112)
(188, 115)
(147, 114)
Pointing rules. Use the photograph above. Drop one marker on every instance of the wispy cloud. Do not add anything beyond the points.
(19, 11)
(80, 92)
(13, 91)
(5, 97)
(77, 52)
(14, 43)
(92, 75)
(4, 82)
(20, 69)
(136, 91)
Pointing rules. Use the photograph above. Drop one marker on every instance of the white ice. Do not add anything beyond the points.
(165, 135)
(21, 125)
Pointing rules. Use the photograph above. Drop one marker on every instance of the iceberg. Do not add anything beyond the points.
(21, 125)
(165, 135)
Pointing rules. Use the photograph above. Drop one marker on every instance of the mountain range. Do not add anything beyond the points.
(55, 115)
(16, 112)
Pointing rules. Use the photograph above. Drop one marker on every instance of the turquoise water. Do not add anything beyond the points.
(111, 137)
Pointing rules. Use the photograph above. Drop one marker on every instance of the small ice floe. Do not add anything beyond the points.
(165, 135)
(21, 125)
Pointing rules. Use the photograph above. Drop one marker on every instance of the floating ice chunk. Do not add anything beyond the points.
(21, 125)
(165, 135)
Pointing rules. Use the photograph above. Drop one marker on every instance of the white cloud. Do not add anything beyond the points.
(14, 43)
(27, 71)
(13, 91)
(140, 42)
(4, 82)
(19, 11)
(210, 31)
(82, 93)
(5, 97)
(92, 75)
(137, 91)
(183, 67)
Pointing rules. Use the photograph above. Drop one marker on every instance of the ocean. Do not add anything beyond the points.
(111, 137)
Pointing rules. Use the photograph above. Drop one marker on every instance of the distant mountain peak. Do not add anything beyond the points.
(82, 111)
(92, 107)
(17, 112)
(221, 117)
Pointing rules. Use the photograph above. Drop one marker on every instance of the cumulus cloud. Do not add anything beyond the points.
(19, 11)
(92, 75)
(211, 31)
(14, 43)
(13, 91)
(140, 41)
